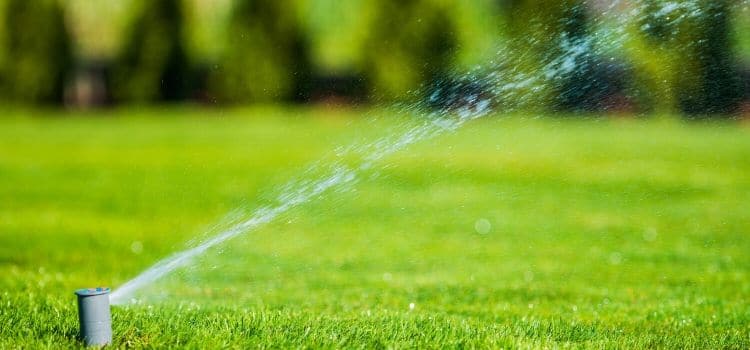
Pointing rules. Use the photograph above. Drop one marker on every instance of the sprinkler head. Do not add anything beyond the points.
(94, 316)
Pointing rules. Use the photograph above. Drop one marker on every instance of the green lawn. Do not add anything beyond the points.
(602, 233)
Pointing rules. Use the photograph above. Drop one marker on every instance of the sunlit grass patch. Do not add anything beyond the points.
(510, 232)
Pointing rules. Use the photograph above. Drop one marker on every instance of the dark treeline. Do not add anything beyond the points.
(38, 56)
(410, 44)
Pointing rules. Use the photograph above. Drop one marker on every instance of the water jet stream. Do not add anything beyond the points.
(298, 193)
(511, 88)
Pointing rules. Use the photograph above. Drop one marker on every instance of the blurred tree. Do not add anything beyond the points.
(653, 23)
(714, 88)
(37, 52)
(653, 49)
(592, 83)
(412, 43)
(577, 88)
(478, 32)
(533, 30)
(153, 65)
(267, 57)
(704, 70)
(534, 26)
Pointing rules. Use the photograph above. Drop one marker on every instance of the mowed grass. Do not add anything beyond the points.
(512, 232)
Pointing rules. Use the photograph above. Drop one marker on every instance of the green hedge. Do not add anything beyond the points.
(412, 42)
(153, 65)
(266, 59)
(36, 58)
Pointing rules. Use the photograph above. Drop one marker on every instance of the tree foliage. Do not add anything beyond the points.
(153, 65)
(37, 52)
(411, 43)
(714, 86)
(698, 37)
(267, 58)
(596, 83)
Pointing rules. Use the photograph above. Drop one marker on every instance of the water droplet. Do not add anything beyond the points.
(136, 247)
(615, 258)
(528, 276)
(482, 226)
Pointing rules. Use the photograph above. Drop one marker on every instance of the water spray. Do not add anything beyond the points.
(94, 316)
(455, 105)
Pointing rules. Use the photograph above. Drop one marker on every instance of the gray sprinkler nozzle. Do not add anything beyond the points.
(94, 316)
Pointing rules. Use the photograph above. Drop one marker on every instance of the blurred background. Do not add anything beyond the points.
(131, 130)
(82, 54)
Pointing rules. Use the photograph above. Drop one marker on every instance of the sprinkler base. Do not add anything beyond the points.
(94, 316)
